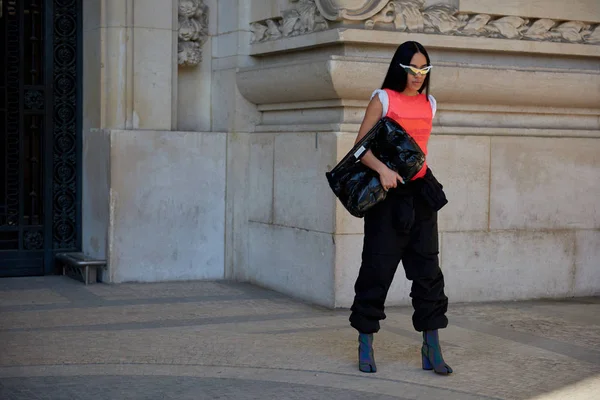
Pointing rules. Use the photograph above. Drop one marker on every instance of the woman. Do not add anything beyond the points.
(404, 226)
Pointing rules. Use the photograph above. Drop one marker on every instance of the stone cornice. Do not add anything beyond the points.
(353, 78)
(305, 16)
(378, 39)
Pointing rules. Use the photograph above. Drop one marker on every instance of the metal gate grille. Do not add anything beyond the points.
(40, 144)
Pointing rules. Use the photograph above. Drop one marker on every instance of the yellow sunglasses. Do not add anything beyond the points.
(414, 70)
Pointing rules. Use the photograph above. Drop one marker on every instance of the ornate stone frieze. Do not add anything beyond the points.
(193, 31)
(413, 16)
(360, 10)
(303, 17)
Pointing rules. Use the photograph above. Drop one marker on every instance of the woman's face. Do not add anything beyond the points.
(414, 82)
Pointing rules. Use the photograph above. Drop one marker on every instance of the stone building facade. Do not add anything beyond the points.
(208, 126)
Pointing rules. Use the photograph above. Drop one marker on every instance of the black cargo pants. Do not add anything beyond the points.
(401, 228)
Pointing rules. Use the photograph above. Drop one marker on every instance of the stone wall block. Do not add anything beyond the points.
(507, 265)
(587, 266)
(293, 261)
(167, 207)
(302, 197)
(545, 183)
(260, 185)
(462, 165)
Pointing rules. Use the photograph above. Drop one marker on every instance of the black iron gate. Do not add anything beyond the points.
(40, 144)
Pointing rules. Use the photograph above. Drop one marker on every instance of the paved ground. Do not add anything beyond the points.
(206, 340)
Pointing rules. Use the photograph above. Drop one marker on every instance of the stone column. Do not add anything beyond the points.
(153, 200)
(139, 71)
(515, 142)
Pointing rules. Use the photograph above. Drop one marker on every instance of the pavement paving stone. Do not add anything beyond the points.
(60, 339)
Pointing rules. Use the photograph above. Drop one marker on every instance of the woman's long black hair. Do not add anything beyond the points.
(396, 76)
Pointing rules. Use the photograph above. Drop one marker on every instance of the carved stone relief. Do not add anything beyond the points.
(193, 31)
(338, 10)
(413, 16)
(303, 17)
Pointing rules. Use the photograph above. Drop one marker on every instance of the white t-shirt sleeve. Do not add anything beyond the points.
(433, 105)
(383, 98)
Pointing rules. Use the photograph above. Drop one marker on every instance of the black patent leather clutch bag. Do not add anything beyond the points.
(357, 186)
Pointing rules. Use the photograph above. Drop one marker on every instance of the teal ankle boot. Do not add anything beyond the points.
(366, 359)
(431, 354)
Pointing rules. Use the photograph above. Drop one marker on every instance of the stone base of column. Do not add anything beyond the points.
(154, 204)
(501, 237)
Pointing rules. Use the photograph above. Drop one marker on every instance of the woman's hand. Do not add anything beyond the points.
(388, 178)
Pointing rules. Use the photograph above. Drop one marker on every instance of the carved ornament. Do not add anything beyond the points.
(302, 17)
(412, 16)
(193, 31)
(337, 10)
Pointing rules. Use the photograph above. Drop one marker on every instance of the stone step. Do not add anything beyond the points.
(80, 267)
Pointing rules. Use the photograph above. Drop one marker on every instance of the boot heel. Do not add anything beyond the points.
(425, 360)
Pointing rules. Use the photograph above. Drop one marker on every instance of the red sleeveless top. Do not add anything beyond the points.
(415, 115)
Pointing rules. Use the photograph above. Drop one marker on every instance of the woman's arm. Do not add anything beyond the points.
(389, 178)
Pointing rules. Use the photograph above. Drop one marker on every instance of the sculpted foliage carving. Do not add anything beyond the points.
(336, 10)
(412, 16)
(193, 31)
(302, 17)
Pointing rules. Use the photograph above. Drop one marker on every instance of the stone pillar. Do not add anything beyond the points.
(515, 142)
(197, 24)
(139, 72)
(153, 199)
